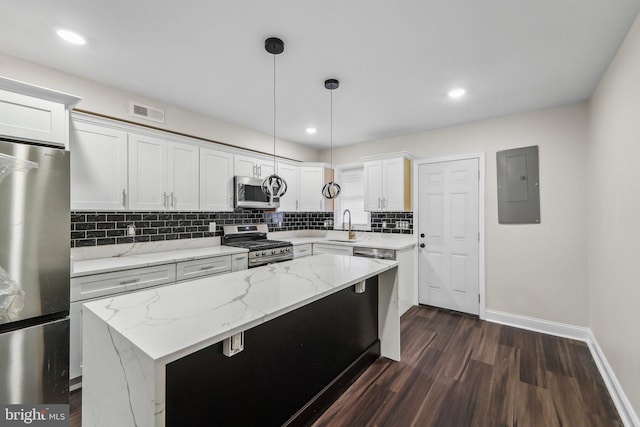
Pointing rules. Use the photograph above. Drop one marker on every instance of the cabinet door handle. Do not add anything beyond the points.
(378, 201)
(164, 199)
(259, 171)
(124, 198)
(296, 205)
(173, 200)
(384, 202)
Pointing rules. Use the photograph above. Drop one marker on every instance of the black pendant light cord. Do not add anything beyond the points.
(331, 138)
(274, 114)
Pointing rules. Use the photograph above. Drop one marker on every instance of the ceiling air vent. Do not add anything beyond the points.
(146, 112)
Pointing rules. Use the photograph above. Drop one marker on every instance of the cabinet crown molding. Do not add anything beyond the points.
(28, 89)
(396, 154)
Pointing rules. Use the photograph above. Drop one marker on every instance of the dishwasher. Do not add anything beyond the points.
(377, 253)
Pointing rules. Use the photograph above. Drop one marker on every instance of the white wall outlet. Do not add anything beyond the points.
(212, 227)
(131, 230)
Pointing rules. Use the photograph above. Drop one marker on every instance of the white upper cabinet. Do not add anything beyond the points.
(183, 162)
(98, 167)
(163, 175)
(289, 202)
(312, 179)
(148, 174)
(253, 167)
(34, 113)
(216, 180)
(387, 184)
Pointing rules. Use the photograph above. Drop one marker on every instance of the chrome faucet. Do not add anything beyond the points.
(352, 235)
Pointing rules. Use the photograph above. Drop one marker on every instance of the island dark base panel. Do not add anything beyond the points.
(291, 369)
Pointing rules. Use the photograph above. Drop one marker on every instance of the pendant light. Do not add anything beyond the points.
(331, 190)
(274, 185)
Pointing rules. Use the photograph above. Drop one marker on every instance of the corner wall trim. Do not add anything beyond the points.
(626, 412)
(581, 333)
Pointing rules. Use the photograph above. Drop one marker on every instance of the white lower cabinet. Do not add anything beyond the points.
(96, 286)
(239, 262)
(326, 248)
(99, 285)
(188, 270)
(304, 250)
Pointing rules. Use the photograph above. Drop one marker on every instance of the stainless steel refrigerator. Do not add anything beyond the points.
(34, 274)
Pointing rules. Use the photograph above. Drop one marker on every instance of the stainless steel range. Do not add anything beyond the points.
(254, 237)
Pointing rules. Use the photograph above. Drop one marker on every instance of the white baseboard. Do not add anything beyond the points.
(545, 326)
(620, 400)
(626, 412)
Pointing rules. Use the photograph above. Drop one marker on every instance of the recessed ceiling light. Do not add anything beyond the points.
(71, 37)
(311, 131)
(457, 93)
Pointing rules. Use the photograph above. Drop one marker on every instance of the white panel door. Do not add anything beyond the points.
(448, 235)
(289, 202)
(183, 177)
(216, 180)
(373, 186)
(98, 167)
(147, 173)
(311, 183)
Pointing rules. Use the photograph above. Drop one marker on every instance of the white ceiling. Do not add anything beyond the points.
(396, 60)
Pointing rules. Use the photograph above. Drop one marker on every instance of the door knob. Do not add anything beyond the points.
(422, 245)
(421, 234)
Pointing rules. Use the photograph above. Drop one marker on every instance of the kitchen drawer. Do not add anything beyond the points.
(188, 270)
(323, 248)
(239, 262)
(98, 285)
(300, 251)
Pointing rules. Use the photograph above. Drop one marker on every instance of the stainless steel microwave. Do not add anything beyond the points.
(248, 193)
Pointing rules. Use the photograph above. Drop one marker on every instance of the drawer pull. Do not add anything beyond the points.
(130, 282)
(210, 267)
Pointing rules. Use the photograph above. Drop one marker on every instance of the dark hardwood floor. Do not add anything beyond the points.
(458, 371)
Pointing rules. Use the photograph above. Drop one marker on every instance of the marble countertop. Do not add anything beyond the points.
(373, 242)
(126, 262)
(171, 321)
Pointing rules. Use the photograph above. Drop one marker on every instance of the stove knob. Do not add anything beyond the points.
(273, 251)
(263, 253)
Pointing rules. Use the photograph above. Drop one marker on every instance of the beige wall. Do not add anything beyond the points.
(531, 270)
(113, 102)
(614, 215)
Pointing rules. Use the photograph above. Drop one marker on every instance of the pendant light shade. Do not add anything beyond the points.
(274, 185)
(331, 190)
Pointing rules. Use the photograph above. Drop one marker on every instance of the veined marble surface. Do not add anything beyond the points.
(129, 339)
(171, 321)
(370, 240)
(139, 248)
(115, 263)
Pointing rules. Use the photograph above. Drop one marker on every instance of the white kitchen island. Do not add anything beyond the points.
(129, 340)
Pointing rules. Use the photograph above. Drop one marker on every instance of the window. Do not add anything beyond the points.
(351, 180)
